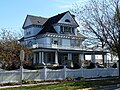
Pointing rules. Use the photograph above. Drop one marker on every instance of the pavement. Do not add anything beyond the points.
(44, 83)
(109, 87)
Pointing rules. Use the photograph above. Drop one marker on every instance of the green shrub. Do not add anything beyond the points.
(91, 66)
(69, 79)
(33, 67)
(114, 65)
(79, 78)
(55, 67)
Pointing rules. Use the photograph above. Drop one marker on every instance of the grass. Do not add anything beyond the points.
(71, 85)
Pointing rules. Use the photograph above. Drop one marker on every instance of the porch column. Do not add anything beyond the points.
(56, 57)
(70, 59)
(34, 58)
(105, 58)
(42, 57)
(81, 57)
(40, 61)
(69, 56)
(93, 58)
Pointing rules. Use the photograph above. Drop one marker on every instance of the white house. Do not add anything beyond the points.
(56, 40)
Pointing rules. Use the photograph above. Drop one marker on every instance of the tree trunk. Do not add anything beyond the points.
(103, 54)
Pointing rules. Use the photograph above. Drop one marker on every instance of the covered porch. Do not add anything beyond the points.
(67, 57)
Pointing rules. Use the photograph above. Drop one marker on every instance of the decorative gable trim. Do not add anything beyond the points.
(34, 20)
(25, 21)
(68, 21)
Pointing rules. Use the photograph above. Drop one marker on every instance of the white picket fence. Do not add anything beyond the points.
(49, 74)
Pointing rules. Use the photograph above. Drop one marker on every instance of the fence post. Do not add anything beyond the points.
(64, 72)
(97, 71)
(45, 72)
(82, 71)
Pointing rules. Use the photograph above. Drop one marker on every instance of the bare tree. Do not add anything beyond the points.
(102, 19)
(10, 50)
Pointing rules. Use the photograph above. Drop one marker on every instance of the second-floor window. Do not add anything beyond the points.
(28, 33)
(55, 41)
(66, 29)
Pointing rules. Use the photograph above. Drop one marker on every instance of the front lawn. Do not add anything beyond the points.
(71, 85)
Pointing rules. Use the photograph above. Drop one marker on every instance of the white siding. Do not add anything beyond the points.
(66, 42)
(27, 22)
(33, 31)
(45, 40)
(28, 40)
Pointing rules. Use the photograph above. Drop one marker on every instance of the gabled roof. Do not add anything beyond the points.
(36, 20)
(48, 26)
(47, 29)
(54, 19)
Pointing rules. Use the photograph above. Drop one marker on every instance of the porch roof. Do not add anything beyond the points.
(68, 51)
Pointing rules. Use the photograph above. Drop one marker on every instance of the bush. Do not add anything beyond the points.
(12, 67)
(55, 67)
(76, 66)
(114, 65)
(33, 67)
(79, 78)
(69, 79)
(92, 65)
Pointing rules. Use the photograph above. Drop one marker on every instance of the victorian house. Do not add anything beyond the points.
(56, 40)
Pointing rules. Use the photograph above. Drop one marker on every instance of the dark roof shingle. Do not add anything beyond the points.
(36, 20)
(54, 19)
(48, 26)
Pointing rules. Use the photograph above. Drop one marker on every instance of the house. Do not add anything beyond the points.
(56, 40)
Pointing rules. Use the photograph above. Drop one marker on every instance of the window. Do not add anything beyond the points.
(67, 20)
(61, 29)
(73, 30)
(28, 33)
(72, 42)
(66, 29)
(77, 42)
(55, 41)
(29, 43)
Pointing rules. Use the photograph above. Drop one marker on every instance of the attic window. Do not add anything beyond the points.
(67, 20)
(38, 21)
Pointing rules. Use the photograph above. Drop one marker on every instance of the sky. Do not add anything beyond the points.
(14, 12)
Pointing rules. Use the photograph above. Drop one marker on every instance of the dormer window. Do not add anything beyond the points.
(67, 20)
(38, 21)
(66, 29)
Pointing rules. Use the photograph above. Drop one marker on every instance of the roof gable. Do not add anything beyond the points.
(34, 20)
(54, 19)
(48, 26)
(27, 22)
(68, 18)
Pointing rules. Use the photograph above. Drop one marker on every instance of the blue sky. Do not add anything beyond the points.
(13, 12)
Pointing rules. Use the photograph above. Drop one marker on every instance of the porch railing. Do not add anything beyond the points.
(55, 46)
(68, 47)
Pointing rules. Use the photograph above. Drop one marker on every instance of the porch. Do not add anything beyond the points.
(66, 58)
